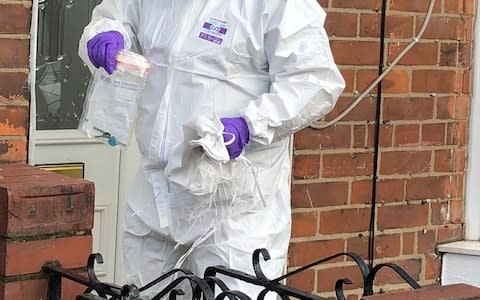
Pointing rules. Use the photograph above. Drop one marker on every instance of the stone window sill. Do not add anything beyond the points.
(461, 247)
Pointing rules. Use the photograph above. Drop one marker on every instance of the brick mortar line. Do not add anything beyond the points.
(419, 175)
(330, 237)
(331, 180)
(405, 67)
(361, 122)
(4, 138)
(353, 39)
(329, 9)
(380, 204)
(416, 241)
(14, 36)
(411, 68)
(378, 232)
(332, 151)
(386, 289)
(388, 40)
(437, 148)
(425, 95)
(327, 237)
(43, 237)
(417, 202)
(422, 122)
(303, 210)
(457, 15)
(412, 95)
(435, 67)
(424, 148)
(395, 258)
(385, 149)
(393, 123)
(391, 12)
(14, 70)
(418, 148)
(393, 286)
(327, 265)
(427, 282)
(332, 295)
(423, 201)
(358, 67)
(38, 275)
(15, 103)
(353, 179)
(345, 237)
(349, 179)
(349, 263)
(423, 266)
(27, 4)
(425, 42)
(420, 67)
(416, 229)
(433, 160)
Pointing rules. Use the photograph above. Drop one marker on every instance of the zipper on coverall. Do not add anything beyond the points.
(190, 18)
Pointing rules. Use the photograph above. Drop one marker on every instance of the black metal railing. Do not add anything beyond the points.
(206, 287)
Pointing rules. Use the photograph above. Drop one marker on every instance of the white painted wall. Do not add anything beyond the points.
(461, 262)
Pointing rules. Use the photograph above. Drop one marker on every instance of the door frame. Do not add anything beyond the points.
(31, 84)
(129, 159)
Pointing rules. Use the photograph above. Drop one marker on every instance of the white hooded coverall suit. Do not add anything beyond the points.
(268, 61)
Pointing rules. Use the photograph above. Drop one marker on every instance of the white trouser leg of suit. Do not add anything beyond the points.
(149, 252)
(228, 247)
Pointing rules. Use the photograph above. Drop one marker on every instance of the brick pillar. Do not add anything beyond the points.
(15, 17)
(44, 217)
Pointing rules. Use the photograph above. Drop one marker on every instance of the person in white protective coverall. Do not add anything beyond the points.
(243, 72)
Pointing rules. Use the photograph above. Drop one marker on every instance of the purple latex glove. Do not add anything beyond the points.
(103, 48)
(235, 135)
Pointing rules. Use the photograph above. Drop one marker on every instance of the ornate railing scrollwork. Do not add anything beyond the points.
(199, 288)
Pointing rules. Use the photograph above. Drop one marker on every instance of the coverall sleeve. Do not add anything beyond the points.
(306, 82)
(119, 15)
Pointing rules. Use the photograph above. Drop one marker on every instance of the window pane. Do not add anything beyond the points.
(61, 77)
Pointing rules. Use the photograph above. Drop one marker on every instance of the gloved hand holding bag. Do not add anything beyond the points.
(103, 48)
(235, 135)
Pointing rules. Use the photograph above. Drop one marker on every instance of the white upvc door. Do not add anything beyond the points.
(112, 171)
(101, 165)
(58, 83)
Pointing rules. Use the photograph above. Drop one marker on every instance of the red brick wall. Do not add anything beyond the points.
(421, 162)
(425, 104)
(14, 62)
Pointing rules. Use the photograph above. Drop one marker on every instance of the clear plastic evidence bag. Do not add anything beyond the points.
(112, 101)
